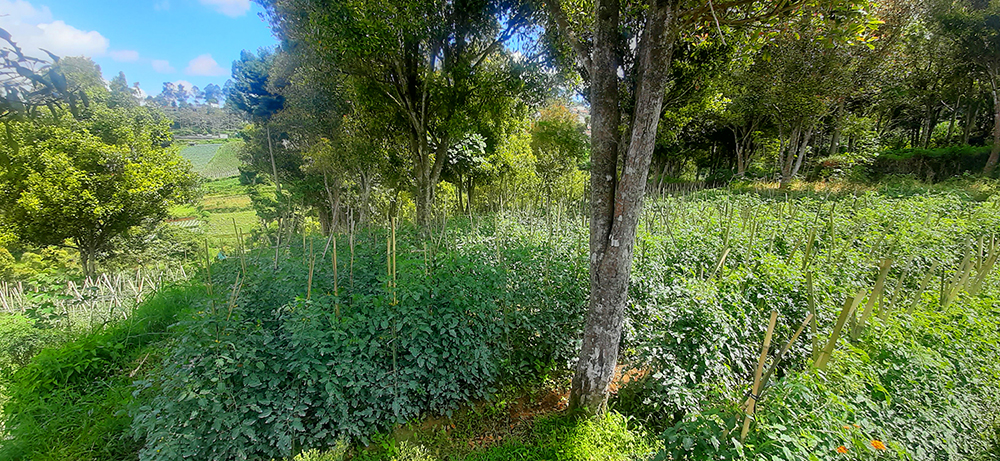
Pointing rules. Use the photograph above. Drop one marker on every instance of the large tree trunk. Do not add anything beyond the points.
(615, 206)
(991, 163)
(428, 173)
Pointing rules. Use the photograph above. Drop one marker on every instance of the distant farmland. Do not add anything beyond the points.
(214, 161)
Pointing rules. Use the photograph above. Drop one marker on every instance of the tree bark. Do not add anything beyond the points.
(835, 138)
(802, 152)
(954, 115)
(972, 115)
(793, 153)
(616, 205)
(333, 199)
(991, 163)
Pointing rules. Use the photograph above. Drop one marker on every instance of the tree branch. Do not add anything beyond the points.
(562, 23)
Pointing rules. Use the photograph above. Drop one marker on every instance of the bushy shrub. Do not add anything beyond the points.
(20, 340)
(930, 164)
(280, 372)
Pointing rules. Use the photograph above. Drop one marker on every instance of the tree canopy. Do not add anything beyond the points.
(83, 182)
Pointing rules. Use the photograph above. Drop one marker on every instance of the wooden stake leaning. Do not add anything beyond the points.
(757, 374)
(848, 311)
(781, 354)
(312, 265)
(923, 287)
(811, 292)
(875, 296)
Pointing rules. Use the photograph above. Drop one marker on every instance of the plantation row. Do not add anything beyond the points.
(274, 351)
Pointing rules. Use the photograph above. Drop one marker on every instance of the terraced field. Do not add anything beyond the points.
(214, 161)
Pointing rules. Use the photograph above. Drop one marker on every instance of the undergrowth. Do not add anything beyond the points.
(68, 402)
(294, 350)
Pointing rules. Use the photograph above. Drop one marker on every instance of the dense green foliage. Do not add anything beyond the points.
(930, 164)
(910, 380)
(92, 177)
(277, 372)
(497, 301)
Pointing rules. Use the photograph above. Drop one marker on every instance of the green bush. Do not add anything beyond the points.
(930, 164)
(20, 340)
(281, 373)
(7, 263)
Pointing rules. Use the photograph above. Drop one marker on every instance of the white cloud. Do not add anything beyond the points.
(124, 55)
(20, 10)
(232, 8)
(162, 66)
(204, 65)
(162, 6)
(34, 28)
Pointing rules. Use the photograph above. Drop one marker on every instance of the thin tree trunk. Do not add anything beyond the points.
(274, 167)
(954, 115)
(835, 139)
(802, 151)
(787, 152)
(927, 126)
(365, 181)
(613, 225)
(991, 163)
(970, 122)
(458, 190)
(659, 184)
(333, 198)
(469, 194)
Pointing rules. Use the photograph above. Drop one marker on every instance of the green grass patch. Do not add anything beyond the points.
(69, 402)
(220, 225)
(556, 436)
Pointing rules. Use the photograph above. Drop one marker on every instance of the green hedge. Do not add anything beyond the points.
(931, 164)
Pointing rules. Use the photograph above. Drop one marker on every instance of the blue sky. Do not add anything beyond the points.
(152, 41)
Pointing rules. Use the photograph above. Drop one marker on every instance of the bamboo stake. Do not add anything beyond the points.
(993, 253)
(722, 261)
(897, 291)
(848, 311)
(351, 244)
(811, 299)
(336, 283)
(757, 375)
(781, 354)
(923, 286)
(239, 247)
(312, 265)
(875, 296)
